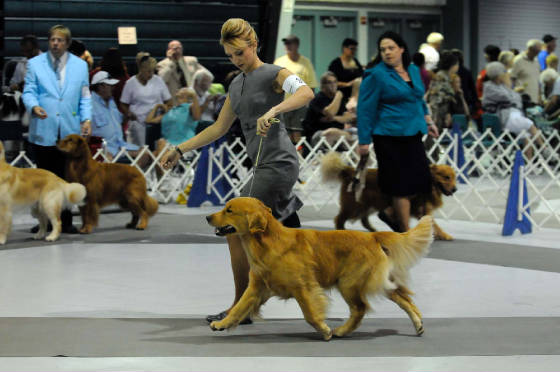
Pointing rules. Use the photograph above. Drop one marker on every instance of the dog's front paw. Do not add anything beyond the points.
(327, 335)
(217, 325)
(51, 237)
(39, 236)
(85, 230)
(443, 236)
(140, 227)
(420, 329)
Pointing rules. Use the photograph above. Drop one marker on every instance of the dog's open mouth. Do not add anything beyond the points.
(225, 230)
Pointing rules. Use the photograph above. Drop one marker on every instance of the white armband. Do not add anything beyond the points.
(292, 83)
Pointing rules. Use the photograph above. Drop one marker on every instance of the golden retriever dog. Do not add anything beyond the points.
(106, 184)
(372, 199)
(46, 193)
(302, 264)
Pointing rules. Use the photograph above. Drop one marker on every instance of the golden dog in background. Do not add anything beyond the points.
(47, 193)
(372, 199)
(301, 264)
(106, 184)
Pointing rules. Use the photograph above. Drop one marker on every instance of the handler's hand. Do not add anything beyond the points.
(265, 121)
(363, 150)
(86, 128)
(40, 112)
(433, 131)
(169, 159)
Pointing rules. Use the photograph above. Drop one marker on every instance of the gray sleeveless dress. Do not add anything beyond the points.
(251, 96)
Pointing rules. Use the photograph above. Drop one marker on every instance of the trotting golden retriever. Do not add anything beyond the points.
(372, 199)
(106, 184)
(301, 264)
(47, 193)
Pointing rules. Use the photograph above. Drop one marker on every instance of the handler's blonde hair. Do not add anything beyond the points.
(238, 33)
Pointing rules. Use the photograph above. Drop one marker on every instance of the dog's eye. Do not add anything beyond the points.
(228, 210)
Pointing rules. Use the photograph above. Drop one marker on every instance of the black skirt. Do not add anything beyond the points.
(403, 165)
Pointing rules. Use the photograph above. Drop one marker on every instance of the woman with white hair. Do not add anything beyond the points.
(499, 98)
(202, 81)
(430, 50)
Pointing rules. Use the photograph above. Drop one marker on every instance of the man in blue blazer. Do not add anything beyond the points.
(56, 92)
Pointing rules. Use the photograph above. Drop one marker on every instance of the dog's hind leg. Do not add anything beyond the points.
(52, 209)
(135, 207)
(358, 307)
(90, 216)
(313, 304)
(401, 296)
(5, 222)
(43, 222)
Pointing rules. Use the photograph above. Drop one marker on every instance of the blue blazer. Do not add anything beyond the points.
(66, 107)
(388, 106)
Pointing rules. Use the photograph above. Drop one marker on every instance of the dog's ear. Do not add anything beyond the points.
(2, 155)
(257, 222)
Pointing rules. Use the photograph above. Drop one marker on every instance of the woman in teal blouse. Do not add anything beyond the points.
(392, 112)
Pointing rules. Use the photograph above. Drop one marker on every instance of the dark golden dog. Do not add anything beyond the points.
(372, 199)
(106, 184)
(301, 264)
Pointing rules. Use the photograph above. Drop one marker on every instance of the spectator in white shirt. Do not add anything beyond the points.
(29, 48)
(430, 50)
(142, 92)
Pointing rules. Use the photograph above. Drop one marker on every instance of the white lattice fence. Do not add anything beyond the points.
(482, 197)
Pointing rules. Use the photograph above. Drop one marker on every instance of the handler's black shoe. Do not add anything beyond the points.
(35, 229)
(222, 315)
(392, 224)
(69, 229)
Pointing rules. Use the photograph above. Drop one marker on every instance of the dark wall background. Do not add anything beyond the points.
(196, 24)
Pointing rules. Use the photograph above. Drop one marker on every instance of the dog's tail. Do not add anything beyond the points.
(151, 205)
(405, 249)
(75, 193)
(334, 169)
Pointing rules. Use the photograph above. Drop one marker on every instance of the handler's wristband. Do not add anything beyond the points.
(179, 150)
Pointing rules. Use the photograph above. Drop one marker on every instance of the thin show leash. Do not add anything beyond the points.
(271, 121)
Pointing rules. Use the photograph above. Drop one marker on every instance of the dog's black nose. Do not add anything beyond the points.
(454, 189)
(208, 218)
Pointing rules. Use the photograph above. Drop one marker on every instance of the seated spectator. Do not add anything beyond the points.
(459, 106)
(506, 58)
(552, 104)
(29, 46)
(547, 79)
(499, 98)
(491, 54)
(140, 94)
(325, 110)
(113, 63)
(202, 82)
(179, 122)
(441, 96)
(419, 60)
(106, 118)
(468, 87)
(177, 70)
(346, 68)
(78, 49)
